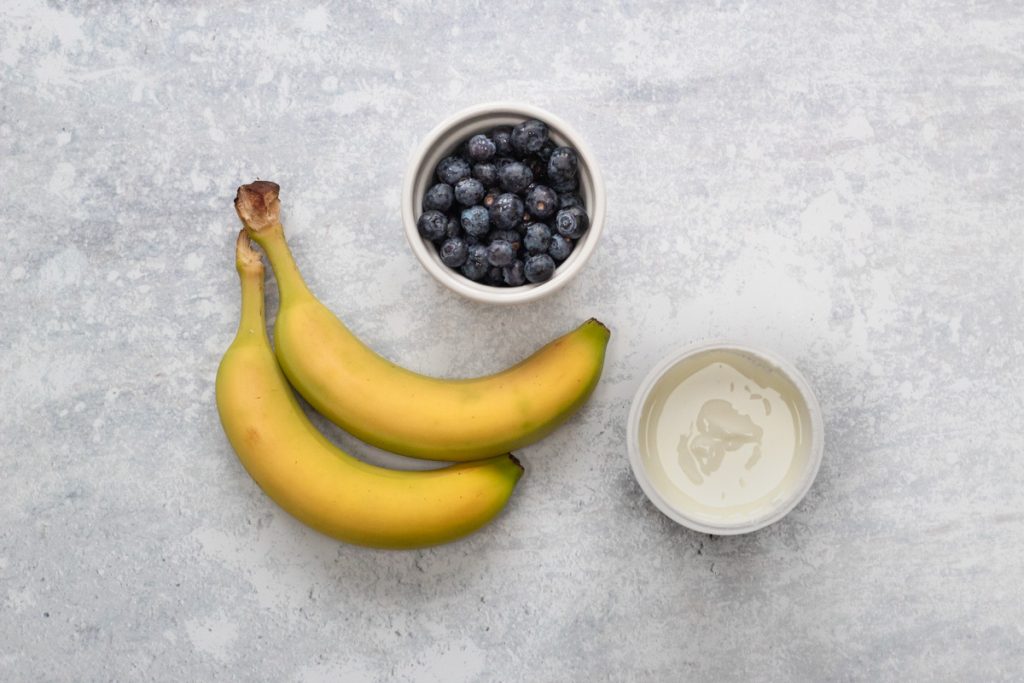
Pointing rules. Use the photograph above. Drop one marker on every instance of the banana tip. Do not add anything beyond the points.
(594, 322)
(245, 255)
(515, 461)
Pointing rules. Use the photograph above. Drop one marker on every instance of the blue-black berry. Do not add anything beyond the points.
(563, 164)
(539, 268)
(438, 197)
(432, 225)
(476, 266)
(506, 211)
(541, 201)
(560, 247)
(500, 253)
(515, 177)
(529, 136)
(486, 173)
(571, 222)
(537, 238)
(480, 148)
(476, 221)
(452, 169)
(502, 137)
(454, 252)
(469, 191)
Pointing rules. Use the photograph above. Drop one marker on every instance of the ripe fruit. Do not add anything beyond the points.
(539, 267)
(433, 225)
(322, 485)
(541, 201)
(480, 148)
(529, 136)
(571, 222)
(438, 197)
(452, 169)
(507, 211)
(469, 191)
(399, 410)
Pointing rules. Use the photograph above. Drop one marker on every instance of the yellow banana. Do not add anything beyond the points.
(399, 410)
(321, 485)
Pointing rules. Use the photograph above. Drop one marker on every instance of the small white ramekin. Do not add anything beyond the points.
(782, 507)
(442, 140)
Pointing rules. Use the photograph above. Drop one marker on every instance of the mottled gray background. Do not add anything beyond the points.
(841, 185)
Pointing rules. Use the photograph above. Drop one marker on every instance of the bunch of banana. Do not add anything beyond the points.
(471, 421)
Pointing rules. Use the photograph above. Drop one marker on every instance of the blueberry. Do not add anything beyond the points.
(491, 197)
(563, 186)
(475, 221)
(541, 201)
(502, 137)
(568, 199)
(513, 274)
(544, 153)
(571, 222)
(515, 177)
(487, 174)
(454, 228)
(502, 162)
(539, 267)
(475, 267)
(480, 148)
(500, 253)
(560, 248)
(537, 239)
(506, 211)
(469, 191)
(510, 236)
(529, 136)
(563, 164)
(454, 252)
(452, 169)
(432, 225)
(438, 197)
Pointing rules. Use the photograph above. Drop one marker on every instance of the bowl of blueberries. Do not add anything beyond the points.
(503, 203)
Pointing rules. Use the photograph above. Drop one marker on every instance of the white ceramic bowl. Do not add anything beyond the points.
(689, 516)
(442, 140)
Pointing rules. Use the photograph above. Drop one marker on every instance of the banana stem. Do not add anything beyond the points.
(258, 206)
(252, 324)
(289, 280)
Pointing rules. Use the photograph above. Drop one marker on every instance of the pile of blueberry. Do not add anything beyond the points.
(505, 209)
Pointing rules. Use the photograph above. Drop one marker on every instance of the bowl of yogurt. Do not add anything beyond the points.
(725, 438)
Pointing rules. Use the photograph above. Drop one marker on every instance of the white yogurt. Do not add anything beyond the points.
(725, 437)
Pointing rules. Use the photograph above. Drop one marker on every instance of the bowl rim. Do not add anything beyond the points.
(486, 293)
(774, 514)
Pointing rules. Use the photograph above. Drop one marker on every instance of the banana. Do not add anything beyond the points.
(321, 485)
(399, 410)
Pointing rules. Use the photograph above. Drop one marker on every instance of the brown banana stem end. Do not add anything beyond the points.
(258, 206)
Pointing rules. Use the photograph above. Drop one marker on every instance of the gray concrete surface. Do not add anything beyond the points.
(841, 184)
